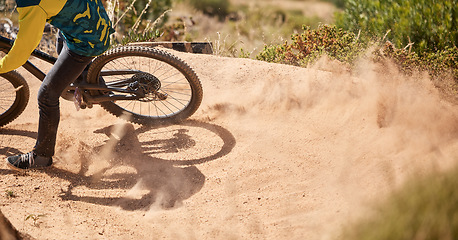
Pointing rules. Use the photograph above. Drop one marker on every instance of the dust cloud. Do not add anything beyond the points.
(344, 137)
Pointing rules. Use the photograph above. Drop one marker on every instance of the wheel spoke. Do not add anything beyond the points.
(166, 82)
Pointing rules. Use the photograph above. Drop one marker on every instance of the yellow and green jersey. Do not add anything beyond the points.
(83, 23)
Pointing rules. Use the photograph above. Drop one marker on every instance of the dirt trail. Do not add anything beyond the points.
(274, 152)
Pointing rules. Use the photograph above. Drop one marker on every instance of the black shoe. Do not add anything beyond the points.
(28, 161)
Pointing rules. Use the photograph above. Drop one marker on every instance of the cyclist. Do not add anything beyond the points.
(84, 30)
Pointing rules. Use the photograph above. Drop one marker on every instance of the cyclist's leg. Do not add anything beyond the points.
(60, 42)
(66, 69)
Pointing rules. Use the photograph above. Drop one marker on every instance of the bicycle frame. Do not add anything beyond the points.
(6, 44)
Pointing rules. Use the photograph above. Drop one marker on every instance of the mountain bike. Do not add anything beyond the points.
(144, 85)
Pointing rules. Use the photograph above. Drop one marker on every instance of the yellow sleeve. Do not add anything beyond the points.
(32, 21)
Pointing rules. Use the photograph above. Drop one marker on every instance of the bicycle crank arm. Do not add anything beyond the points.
(88, 86)
(108, 98)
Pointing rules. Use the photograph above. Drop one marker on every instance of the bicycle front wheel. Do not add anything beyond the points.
(14, 96)
(167, 89)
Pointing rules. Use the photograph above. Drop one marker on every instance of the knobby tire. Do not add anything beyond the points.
(161, 65)
(14, 96)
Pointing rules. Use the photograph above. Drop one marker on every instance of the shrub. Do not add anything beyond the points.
(438, 64)
(346, 47)
(311, 44)
(442, 61)
(424, 208)
(430, 24)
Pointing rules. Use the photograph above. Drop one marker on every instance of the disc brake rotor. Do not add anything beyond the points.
(147, 85)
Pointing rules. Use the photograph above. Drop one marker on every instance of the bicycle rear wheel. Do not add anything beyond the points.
(14, 96)
(168, 89)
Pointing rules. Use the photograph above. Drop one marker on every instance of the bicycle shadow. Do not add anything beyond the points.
(9, 150)
(151, 180)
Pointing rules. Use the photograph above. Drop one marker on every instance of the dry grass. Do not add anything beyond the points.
(251, 26)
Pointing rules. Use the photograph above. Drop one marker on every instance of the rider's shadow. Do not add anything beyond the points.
(155, 181)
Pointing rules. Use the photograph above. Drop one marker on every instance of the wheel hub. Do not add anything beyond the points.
(148, 86)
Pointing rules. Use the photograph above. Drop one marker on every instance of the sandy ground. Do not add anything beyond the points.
(274, 152)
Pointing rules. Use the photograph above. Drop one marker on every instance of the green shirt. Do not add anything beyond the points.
(84, 24)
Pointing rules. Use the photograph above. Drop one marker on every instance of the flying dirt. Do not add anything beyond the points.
(274, 152)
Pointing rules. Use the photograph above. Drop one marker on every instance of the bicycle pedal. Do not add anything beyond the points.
(78, 99)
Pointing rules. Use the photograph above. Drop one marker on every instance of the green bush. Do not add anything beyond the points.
(311, 44)
(424, 208)
(441, 61)
(439, 65)
(430, 25)
(346, 47)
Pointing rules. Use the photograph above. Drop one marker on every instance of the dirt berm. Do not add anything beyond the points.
(274, 152)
